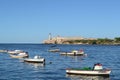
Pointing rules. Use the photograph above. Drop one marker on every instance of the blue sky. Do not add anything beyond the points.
(30, 21)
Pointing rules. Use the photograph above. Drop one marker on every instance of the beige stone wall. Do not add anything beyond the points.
(60, 40)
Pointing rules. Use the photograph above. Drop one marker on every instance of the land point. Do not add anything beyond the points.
(81, 40)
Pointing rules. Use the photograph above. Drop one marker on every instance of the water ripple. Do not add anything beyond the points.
(54, 69)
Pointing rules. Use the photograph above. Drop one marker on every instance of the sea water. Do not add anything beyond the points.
(56, 64)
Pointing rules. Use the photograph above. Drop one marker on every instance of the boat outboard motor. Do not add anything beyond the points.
(98, 66)
(75, 52)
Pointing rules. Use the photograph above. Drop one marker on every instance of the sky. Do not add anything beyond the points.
(30, 21)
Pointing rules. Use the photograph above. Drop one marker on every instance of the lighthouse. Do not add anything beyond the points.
(50, 36)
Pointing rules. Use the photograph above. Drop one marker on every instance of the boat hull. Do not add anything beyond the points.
(35, 60)
(89, 72)
(15, 51)
(72, 54)
(3, 51)
(16, 56)
(54, 50)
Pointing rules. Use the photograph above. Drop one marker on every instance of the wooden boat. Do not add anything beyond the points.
(96, 71)
(36, 59)
(74, 53)
(20, 55)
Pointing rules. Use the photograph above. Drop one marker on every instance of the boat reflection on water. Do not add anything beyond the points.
(36, 65)
(84, 77)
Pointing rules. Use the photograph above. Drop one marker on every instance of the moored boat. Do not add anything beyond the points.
(3, 51)
(73, 53)
(54, 50)
(96, 71)
(20, 55)
(15, 51)
(36, 59)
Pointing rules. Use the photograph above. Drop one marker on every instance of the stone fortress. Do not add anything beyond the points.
(63, 40)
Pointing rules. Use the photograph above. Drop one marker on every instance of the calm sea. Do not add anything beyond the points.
(54, 69)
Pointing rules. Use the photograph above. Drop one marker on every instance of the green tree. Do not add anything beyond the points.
(117, 39)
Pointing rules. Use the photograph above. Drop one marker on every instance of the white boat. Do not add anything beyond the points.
(3, 51)
(96, 71)
(73, 53)
(36, 59)
(15, 51)
(54, 50)
(20, 55)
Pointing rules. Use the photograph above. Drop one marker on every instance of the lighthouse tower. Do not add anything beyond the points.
(50, 36)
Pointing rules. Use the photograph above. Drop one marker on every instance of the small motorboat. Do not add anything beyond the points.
(3, 51)
(54, 50)
(20, 55)
(36, 59)
(96, 71)
(73, 53)
(15, 51)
